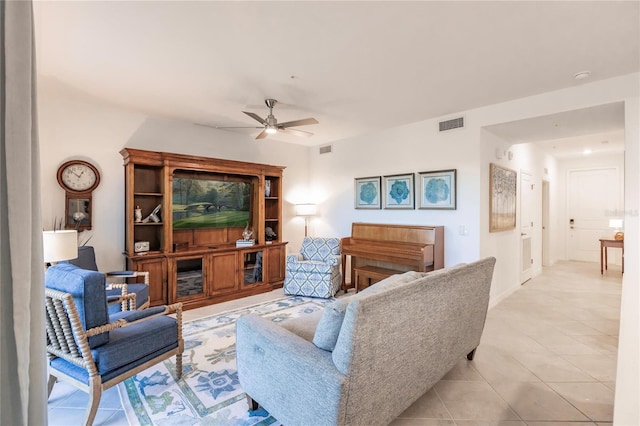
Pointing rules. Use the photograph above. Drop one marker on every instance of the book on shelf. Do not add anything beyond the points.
(244, 243)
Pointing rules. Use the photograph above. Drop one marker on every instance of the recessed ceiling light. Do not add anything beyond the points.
(587, 151)
(582, 75)
(604, 142)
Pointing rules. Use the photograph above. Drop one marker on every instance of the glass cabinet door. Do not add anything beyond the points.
(189, 277)
(252, 268)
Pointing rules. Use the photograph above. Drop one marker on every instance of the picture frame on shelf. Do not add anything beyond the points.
(367, 194)
(502, 203)
(437, 190)
(399, 191)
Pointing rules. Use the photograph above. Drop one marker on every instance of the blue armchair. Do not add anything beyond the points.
(116, 291)
(94, 350)
(315, 271)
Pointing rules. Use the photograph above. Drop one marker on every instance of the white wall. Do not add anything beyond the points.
(408, 149)
(627, 406)
(74, 126)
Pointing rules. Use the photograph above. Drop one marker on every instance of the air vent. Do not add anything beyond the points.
(325, 149)
(455, 123)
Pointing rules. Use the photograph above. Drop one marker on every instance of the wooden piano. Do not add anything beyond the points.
(378, 250)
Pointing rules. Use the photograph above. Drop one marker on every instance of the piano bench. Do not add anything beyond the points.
(369, 273)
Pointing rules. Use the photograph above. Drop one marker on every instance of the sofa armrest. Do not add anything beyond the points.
(335, 259)
(289, 376)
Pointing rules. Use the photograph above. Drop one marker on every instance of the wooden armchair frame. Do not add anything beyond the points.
(67, 339)
(125, 299)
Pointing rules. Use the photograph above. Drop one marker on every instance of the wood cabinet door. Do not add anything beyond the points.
(188, 278)
(223, 273)
(276, 261)
(157, 269)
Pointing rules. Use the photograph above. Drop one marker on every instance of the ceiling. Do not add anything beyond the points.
(357, 67)
(587, 131)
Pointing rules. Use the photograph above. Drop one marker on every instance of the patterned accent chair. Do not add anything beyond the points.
(315, 271)
(93, 350)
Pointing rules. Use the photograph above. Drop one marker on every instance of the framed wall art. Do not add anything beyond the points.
(367, 193)
(398, 191)
(437, 190)
(502, 198)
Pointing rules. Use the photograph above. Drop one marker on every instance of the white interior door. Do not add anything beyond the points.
(591, 197)
(526, 225)
(546, 249)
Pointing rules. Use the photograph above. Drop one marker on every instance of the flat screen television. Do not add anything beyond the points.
(210, 201)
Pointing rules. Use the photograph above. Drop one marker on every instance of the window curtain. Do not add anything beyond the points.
(23, 369)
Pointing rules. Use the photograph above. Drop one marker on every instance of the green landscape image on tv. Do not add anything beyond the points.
(210, 203)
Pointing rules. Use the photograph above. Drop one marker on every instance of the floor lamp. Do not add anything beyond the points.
(59, 245)
(306, 210)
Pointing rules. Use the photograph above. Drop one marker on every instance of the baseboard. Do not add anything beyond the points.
(495, 300)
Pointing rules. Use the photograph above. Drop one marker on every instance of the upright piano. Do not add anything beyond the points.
(394, 247)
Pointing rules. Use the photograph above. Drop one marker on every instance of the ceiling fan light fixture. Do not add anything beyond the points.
(271, 130)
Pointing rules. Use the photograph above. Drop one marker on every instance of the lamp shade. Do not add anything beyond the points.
(59, 245)
(615, 223)
(306, 209)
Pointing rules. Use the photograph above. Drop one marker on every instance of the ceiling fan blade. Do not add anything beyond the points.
(228, 127)
(262, 134)
(294, 131)
(302, 122)
(239, 127)
(255, 117)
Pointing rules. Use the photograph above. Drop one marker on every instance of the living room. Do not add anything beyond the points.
(75, 122)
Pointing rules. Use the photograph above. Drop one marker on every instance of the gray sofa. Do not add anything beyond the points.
(367, 357)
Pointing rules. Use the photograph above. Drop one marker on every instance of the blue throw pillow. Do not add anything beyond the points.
(330, 324)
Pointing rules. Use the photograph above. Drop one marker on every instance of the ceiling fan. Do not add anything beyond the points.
(270, 124)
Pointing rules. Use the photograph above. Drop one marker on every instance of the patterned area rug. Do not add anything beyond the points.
(209, 392)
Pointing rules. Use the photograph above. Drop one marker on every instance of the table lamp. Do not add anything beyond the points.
(306, 210)
(59, 245)
(617, 225)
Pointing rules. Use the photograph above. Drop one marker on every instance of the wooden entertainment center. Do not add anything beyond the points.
(202, 265)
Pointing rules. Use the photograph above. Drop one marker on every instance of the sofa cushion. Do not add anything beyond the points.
(304, 326)
(126, 345)
(87, 289)
(328, 329)
(313, 266)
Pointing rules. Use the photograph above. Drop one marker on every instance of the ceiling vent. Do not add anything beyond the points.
(454, 123)
(325, 149)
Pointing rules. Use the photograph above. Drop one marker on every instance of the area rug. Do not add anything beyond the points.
(209, 392)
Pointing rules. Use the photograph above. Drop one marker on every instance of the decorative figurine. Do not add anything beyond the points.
(137, 214)
(153, 216)
(267, 188)
(269, 234)
(247, 233)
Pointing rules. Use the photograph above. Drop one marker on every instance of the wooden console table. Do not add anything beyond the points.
(606, 243)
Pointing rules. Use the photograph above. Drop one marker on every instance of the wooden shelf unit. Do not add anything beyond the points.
(201, 266)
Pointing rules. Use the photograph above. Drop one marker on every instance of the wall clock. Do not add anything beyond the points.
(78, 178)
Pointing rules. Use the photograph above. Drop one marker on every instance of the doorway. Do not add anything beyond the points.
(546, 249)
(592, 196)
(527, 206)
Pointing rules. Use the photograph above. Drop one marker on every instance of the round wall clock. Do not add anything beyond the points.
(78, 176)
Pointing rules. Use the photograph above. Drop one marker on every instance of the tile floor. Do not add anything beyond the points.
(547, 357)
